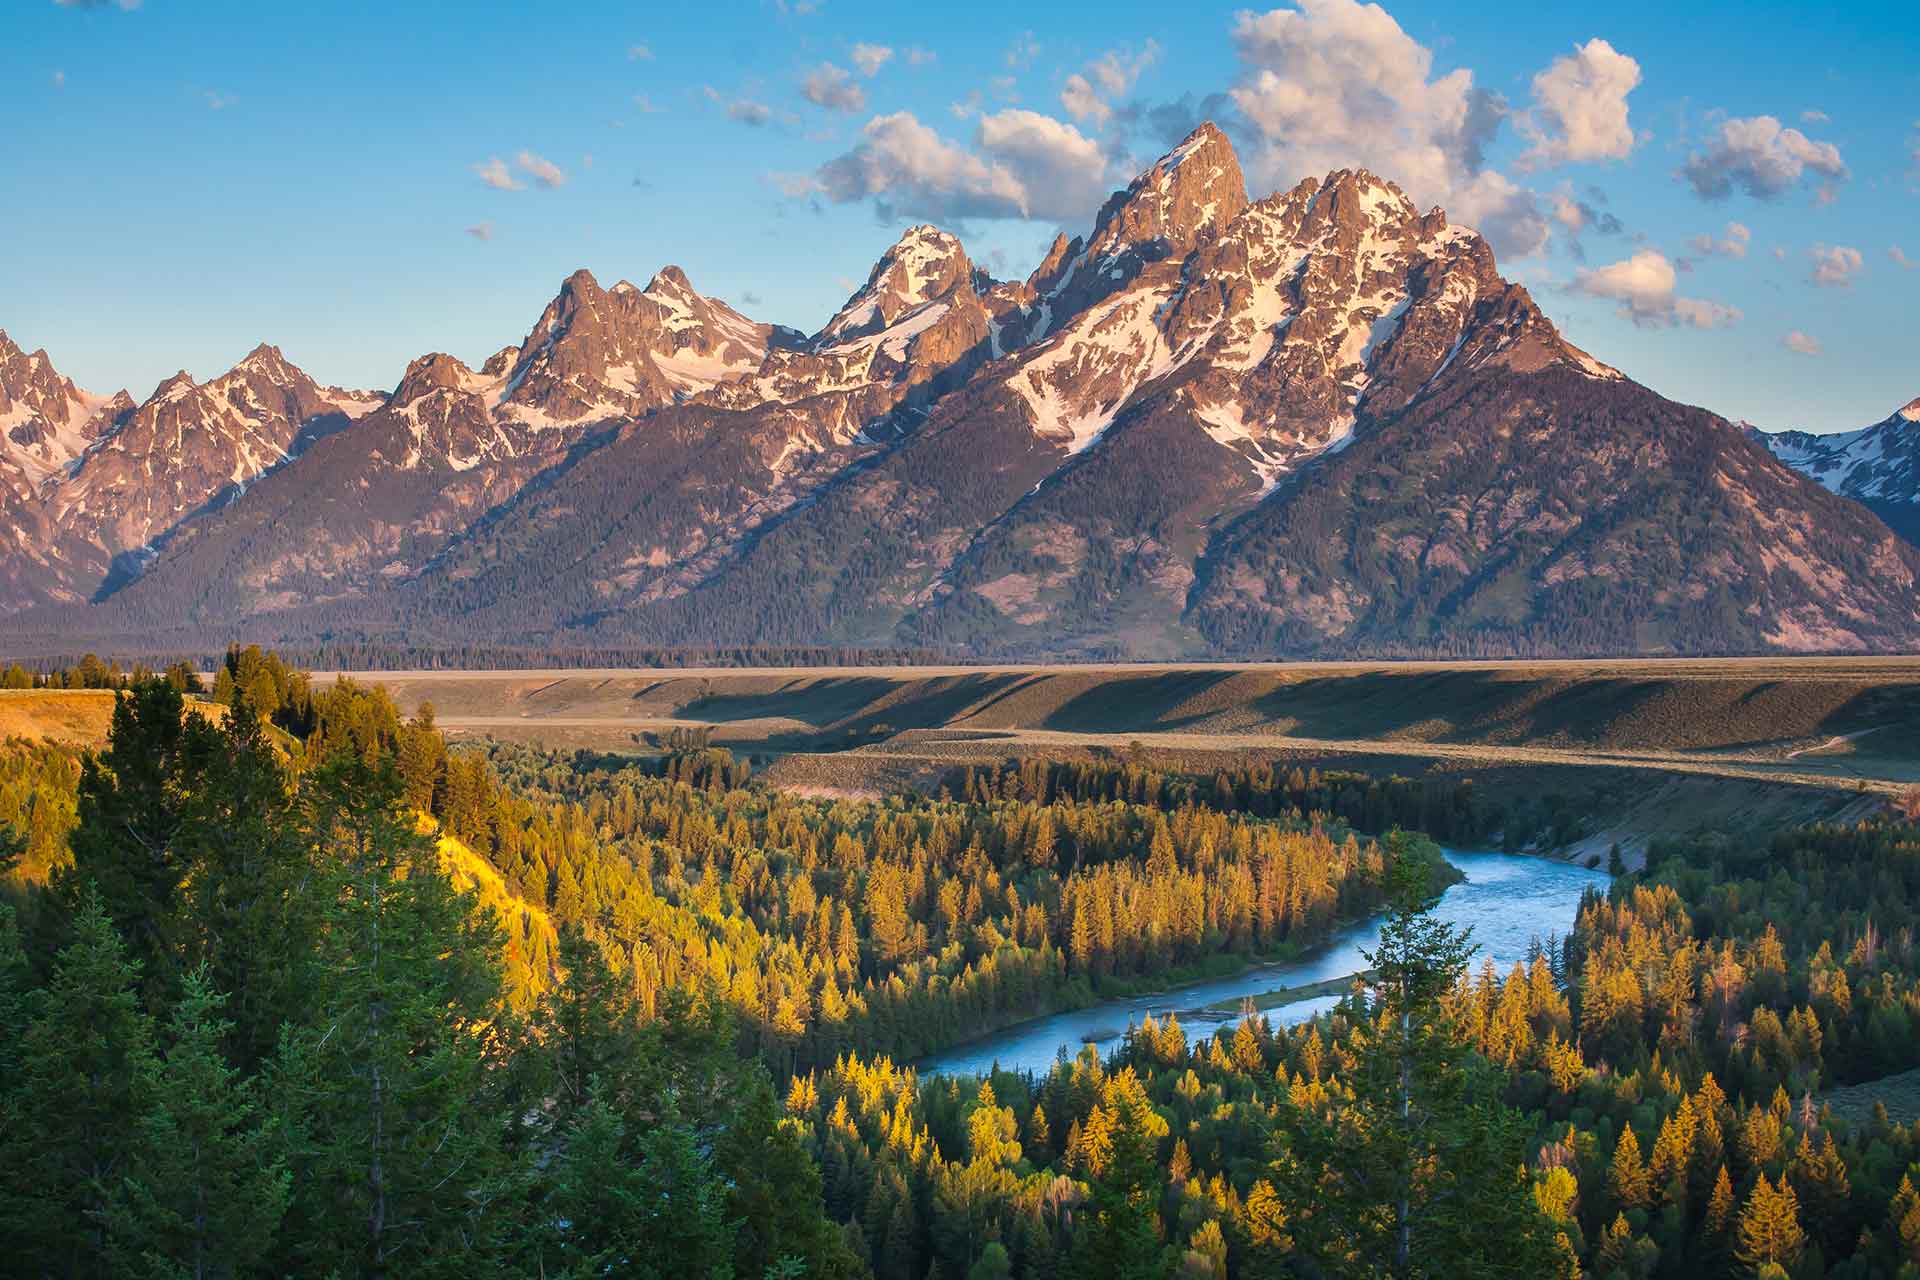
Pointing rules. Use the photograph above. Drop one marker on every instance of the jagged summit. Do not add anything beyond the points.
(1194, 189)
(925, 264)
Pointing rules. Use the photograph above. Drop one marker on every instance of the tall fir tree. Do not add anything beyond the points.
(398, 1154)
(85, 1080)
(1419, 1173)
(207, 1183)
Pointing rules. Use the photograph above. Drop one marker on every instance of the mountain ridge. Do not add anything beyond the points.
(1188, 433)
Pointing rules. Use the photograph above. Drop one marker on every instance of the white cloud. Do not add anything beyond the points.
(1762, 158)
(1732, 245)
(645, 104)
(1021, 53)
(833, 88)
(59, 79)
(1835, 266)
(1900, 258)
(1643, 286)
(1022, 164)
(125, 6)
(1579, 110)
(871, 57)
(496, 175)
(1813, 117)
(639, 53)
(1335, 83)
(918, 57)
(1803, 343)
(544, 171)
(1088, 93)
(481, 231)
(1082, 103)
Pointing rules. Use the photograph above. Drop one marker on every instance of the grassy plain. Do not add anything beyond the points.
(1647, 745)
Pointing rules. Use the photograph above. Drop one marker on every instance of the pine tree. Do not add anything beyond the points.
(648, 1205)
(1121, 1237)
(1627, 1176)
(246, 911)
(86, 1072)
(132, 807)
(1769, 1229)
(397, 1153)
(207, 1184)
(1424, 1164)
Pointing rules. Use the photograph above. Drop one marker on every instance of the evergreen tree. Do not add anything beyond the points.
(648, 1205)
(207, 1183)
(1769, 1231)
(1419, 1173)
(86, 1073)
(397, 1155)
(247, 911)
(1121, 1239)
(132, 807)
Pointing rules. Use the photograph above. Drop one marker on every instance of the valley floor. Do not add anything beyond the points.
(1644, 747)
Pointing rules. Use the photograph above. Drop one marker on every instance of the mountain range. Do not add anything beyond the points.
(1314, 424)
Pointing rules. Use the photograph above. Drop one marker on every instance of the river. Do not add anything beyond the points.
(1507, 899)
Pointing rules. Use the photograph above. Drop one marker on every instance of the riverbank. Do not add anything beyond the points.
(1507, 900)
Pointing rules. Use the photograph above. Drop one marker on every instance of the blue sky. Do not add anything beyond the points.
(1719, 198)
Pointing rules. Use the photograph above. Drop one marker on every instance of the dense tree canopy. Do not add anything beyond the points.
(298, 988)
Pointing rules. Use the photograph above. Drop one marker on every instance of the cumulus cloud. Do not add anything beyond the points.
(871, 57)
(1900, 258)
(833, 88)
(543, 171)
(1643, 285)
(1732, 245)
(1761, 157)
(496, 175)
(1021, 164)
(1089, 92)
(1834, 266)
(1802, 343)
(481, 231)
(1334, 83)
(1579, 109)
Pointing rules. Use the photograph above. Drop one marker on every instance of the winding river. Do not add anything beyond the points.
(1507, 899)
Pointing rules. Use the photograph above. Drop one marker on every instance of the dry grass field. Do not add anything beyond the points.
(77, 717)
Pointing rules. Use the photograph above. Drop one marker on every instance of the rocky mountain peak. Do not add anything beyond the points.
(1193, 190)
(669, 281)
(1910, 410)
(924, 264)
(432, 372)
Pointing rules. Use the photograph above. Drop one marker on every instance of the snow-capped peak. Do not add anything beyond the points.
(923, 265)
(1910, 410)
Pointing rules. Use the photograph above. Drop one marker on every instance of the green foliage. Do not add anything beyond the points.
(207, 1184)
